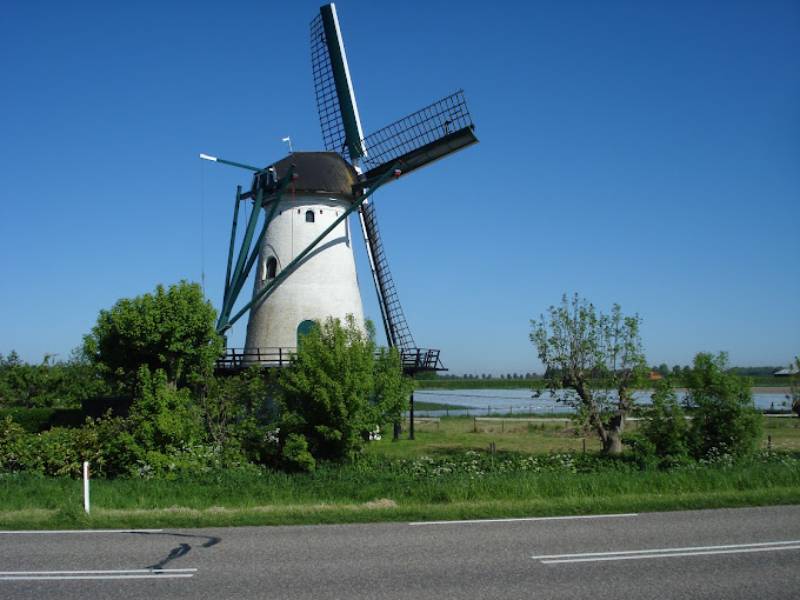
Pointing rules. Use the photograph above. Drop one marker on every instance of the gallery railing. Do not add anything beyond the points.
(237, 359)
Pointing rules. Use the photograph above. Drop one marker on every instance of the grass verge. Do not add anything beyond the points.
(383, 493)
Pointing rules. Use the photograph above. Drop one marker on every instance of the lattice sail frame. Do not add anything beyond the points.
(330, 117)
(333, 87)
(412, 142)
(426, 127)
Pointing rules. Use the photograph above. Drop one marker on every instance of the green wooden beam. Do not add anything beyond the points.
(247, 253)
(233, 237)
(227, 301)
(256, 248)
(289, 268)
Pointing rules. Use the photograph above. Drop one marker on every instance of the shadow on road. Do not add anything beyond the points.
(181, 549)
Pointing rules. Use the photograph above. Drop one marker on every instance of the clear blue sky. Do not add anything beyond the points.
(645, 153)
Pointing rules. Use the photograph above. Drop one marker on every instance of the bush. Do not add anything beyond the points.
(724, 420)
(163, 417)
(49, 384)
(665, 427)
(296, 456)
(336, 392)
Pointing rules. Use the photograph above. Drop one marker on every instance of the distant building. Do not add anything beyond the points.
(654, 376)
(787, 372)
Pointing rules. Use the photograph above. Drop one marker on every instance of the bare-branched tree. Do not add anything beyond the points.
(597, 359)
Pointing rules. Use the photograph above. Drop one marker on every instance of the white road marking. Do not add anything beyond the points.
(550, 559)
(52, 531)
(95, 577)
(97, 574)
(513, 520)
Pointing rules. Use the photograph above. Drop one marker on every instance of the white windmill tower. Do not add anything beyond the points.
(306, 271)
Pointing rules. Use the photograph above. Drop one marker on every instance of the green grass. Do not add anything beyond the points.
(388, 485)
(350, 496)
(534, 435)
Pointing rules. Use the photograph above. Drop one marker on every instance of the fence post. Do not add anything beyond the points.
(86, 486)
(411, 418)
(474, 424)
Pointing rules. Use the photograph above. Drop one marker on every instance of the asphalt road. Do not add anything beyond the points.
(734, 553)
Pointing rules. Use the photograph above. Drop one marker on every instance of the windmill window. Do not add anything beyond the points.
(309, 216)
(270, 267)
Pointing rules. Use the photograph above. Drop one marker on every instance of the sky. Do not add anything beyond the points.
(640, 153)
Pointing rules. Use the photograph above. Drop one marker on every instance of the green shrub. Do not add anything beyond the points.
(192, 461)
(163, 417)
(295, 453)
(642, 450)
(49, 384)
(665, 427)
(336, 392)
(724, 420)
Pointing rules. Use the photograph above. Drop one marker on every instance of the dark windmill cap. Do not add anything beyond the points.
(323, 173)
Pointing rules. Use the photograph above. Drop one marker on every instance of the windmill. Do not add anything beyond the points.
(306, 270)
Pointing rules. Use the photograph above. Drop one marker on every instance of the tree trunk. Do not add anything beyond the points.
(612, 443)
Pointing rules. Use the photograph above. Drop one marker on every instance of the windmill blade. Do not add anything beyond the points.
(336, 102)
(421, 138)
(398, 334)
(341, 132)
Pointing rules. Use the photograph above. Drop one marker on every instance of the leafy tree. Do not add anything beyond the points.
(337, 391)
(171, 329)
(724, 420)
(597, 358)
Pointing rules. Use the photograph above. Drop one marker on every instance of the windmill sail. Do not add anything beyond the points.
(398, 334)
(420, 138)
(341, 132)
(336, 102)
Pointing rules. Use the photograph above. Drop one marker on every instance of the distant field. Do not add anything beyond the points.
(534, 436)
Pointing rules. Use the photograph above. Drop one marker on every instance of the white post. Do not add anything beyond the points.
(86, 486)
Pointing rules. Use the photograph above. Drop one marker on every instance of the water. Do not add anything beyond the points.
(482, 402)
